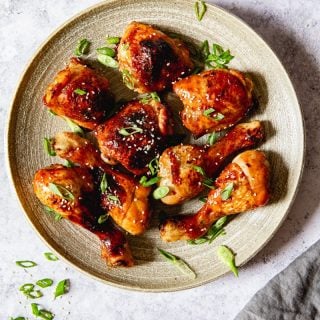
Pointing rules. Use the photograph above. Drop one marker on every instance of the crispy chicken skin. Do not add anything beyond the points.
(177, 164)
(136, 150)
(125, 199)
(87, 109)
(151, 59)
(226, 93)
(249, 173)
(82, 209)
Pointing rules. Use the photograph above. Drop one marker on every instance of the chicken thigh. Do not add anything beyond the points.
(122, 197)
(243, 185)
(214, 100)
(79, 93)
(186, 168)
(135, 135)
(150, 60)
(72, 193)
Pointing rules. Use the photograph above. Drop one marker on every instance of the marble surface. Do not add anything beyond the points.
(292, 29)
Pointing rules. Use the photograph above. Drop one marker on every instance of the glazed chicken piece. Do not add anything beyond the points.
(179, 165)
(150, 60)
(72, 193)
(124, 199)
(79, 93)
(214, 100)
(243, 185)
(135, 135)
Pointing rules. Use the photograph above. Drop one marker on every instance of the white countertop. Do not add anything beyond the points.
(292, 29)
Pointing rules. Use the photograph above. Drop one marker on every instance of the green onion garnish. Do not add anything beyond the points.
(147, 97)
(113, 198)
(107, 61)
(62, 288)
(26, 264)
(200, 9)
(18, 318)
(27, 287)
(47, 144)
(203, 199)
(107, 51)
(218, 58)
(50, 256)
(44, 283)
(147, 183)
(74, 127)
(199, 170)
(215, 231)
(160, 192)
(103, 218)
(113, 40)
(82, 47)
(34, 294)
(178, 262)
(57, 216)
(128, 79)
(69, 164)
(130, 130)
(227, 191)
(153, 166)
(80, 92)
(61, 191)
(212, 138)
(104, 183)
(43, 314)
(228, 258)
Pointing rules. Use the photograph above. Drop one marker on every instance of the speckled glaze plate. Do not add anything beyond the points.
(279, 110)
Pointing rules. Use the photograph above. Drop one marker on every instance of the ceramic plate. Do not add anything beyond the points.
(279, 110)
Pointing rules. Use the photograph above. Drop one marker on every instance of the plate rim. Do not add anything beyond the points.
(9, 128)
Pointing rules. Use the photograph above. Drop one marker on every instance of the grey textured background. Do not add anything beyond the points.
(292, 29)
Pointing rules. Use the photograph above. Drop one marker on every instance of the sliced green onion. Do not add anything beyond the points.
(107, 61)
(227, 191)
(26, 264)
(178, 262)
(50, 256)
(47, 144)
(35, 309)
(200, 9)
(212, 138)
(18, 318)
(207, 112)
(57, 216)
(130, 130)
(69, 164)
(80, 92)
(147, 183)
(219, 116)
(113, 198)
(61, 191)
(128, 79)
(147, 97)
(74, 127)
(44, 283)
(34, 294)
(62, 288)
(43, 314)
(113, 40)
(103, 218)
(82, 47)
(228, 258)
(203, 199)
(160, 192)
(104, 183)
(107, 51)
(199, 170)
(153, 166)
(27, 287)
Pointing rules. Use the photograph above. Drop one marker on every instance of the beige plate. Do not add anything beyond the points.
(29, 123)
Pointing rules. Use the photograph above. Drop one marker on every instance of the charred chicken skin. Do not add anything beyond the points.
(185, 168)
(150, 60)
(79, 93)
(124, 198)
(135, 135)
(72, 193)
(214, 100)
(247, 177)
